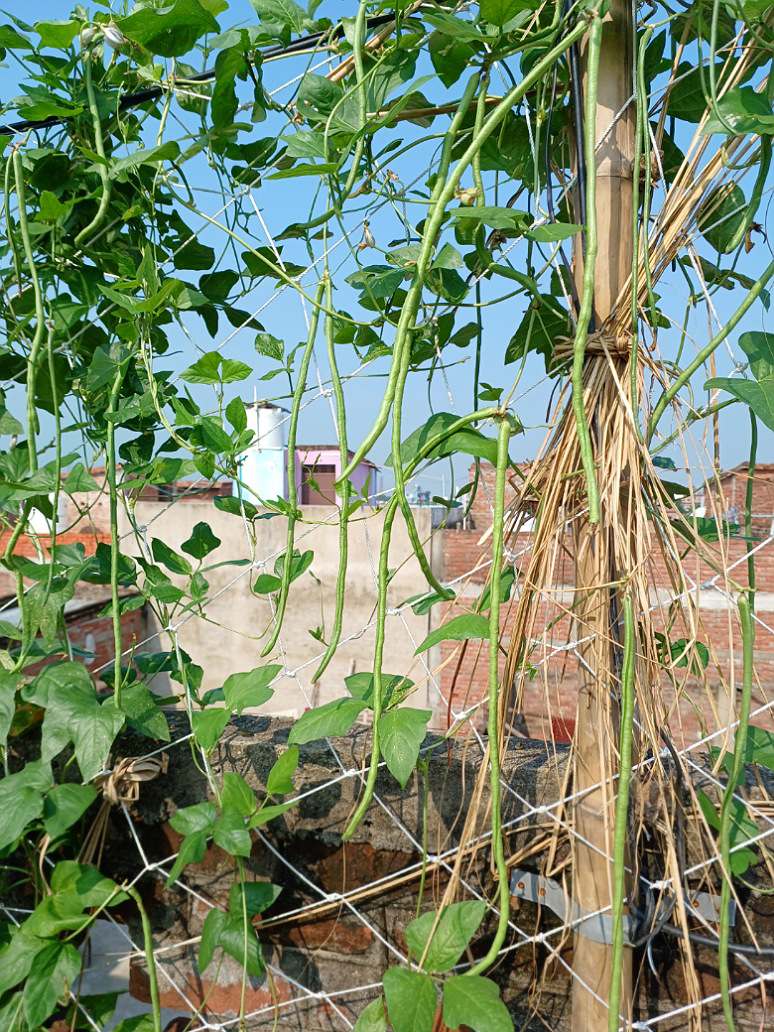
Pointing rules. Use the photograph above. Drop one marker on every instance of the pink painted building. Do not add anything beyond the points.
(318, 467)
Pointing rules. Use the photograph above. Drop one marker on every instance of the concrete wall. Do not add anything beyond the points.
(230, 634)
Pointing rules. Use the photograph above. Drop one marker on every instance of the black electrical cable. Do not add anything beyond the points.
(132, 100)
(743, 948)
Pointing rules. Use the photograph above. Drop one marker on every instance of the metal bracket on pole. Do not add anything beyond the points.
(598, 927)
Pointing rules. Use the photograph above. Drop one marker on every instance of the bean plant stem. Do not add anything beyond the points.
(589, 267)
(40, 321)
(727, 806)
(436, 214)
(150, 960)
(298, 394)
(493, 716)
(114, 535)
(680, 381)
(381, 612)
(345, 489)
(622, 812)
(99, 145)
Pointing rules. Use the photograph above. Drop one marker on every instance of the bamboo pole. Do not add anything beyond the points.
(594, 756)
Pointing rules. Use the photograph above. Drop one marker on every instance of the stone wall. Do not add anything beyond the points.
(339, 921)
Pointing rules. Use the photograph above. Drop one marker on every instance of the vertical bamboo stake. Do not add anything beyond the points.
(594, 755)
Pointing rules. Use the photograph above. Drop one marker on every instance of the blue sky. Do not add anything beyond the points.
(281, 202)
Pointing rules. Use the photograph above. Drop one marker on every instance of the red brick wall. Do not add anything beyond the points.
(552, 694)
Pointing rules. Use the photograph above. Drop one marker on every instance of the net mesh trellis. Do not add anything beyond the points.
(340, 1001)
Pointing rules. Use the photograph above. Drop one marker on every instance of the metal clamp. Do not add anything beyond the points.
(598, 926)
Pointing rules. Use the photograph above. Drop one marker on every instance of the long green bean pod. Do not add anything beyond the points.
(493, 716)
(436, 214)
(589, 267)
(726, 808)
(344, 491)
(680, 381)
(40, 320)
(298, 395)
(99, 146)
(115, 540)
(381, 613)
(622, 812)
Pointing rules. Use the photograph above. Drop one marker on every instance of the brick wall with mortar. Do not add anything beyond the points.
(550, 698)
(349, 942)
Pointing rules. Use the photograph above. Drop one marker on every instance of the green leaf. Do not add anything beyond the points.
(170, 31)
(190, 819)
(722, 216)
(401, 732)
(208, 726)
(146, 156)
(330, 719)
(271, 347)
(192, 850)
(86, 884)
(201, 542)
(213, 368)
(456, 926)
(760, 747)
(742, 109)
(250, 688)
(373, 1018)
(211, 930)
(234, 937)
(467, 441)
(74, 715)
(141, 708)
(64, 805)
(17, 957)
(266, 583)
(322, 169)
(474, 1001)
(411, 1000)
(21, 801)
(9, 684)
(394, 688)
(256, 897)
(461, 628)
(742, 829)
(450, 57)
(499, 12)
(283, 13)
(229, 64)
(268, 813)
(229, 832)
(280, 779)
(163, 554)
(236, 414)
(237, 794)
(544, 321)
(496, 217)
(55, 969)
(758, 394)
(553, 231)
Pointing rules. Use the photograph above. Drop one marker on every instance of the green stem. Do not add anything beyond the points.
(99, 146)
(726, 809)
(680, 381)
(344, 491)
(493, 716)
(150, 960)
(589, 268)
(436, 215)
(748, 508)
(381, 612)
(298, 394)
(622, 813)
(114, 535)
(40, 321)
